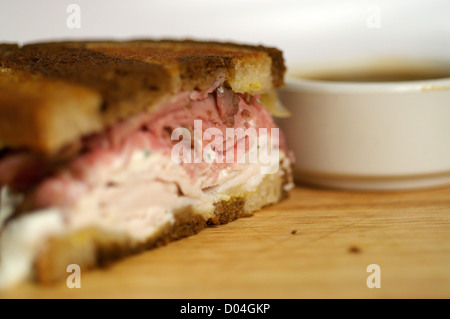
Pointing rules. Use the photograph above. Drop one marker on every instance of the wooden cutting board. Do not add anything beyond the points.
(316, 244)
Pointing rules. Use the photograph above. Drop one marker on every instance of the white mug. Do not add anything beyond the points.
(371, 136)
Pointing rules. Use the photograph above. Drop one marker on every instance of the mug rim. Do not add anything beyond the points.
(322, 86)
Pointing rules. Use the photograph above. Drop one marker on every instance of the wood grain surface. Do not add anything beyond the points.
(316, 244)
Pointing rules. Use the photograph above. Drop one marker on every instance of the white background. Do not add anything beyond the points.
(307, 31)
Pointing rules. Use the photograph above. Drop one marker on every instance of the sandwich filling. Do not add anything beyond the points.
(134, 176)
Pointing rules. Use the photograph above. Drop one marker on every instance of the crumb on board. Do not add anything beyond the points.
(354, 250)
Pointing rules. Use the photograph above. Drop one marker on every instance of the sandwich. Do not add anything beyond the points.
(110, 148)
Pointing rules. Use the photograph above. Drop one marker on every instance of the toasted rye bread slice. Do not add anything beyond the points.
(118, 78)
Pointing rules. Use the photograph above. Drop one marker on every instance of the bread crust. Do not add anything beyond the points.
(120, 78)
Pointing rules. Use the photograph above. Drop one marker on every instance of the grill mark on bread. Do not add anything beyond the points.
(116, 79)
